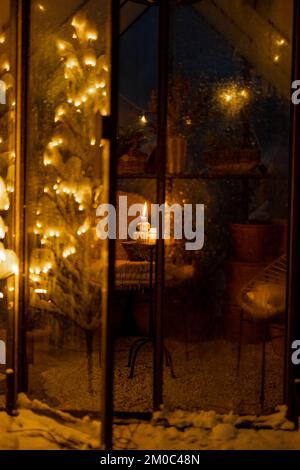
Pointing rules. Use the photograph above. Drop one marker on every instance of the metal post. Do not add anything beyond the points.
(162, 121)
(292, 373)
(23, 25)
(107, 336)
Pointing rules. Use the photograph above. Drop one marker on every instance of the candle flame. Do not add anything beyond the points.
(145, 210)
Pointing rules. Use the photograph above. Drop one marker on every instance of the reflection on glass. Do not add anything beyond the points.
(66, 181)
(8, 258)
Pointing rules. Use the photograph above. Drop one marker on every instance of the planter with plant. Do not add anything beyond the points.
(228, 155)
(232, 147)
(185, 108)
(132, 160)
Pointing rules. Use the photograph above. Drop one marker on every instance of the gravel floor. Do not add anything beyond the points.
(206, 380)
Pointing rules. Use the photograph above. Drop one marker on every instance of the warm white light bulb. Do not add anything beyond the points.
(41, 7)
(90, 61)
(6, 66)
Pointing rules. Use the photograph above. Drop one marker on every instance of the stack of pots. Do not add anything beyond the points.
(254, 245)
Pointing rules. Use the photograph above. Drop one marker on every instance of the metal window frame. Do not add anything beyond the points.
(292, 372)
(19, 362)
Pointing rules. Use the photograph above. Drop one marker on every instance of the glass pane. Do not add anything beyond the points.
(8, 258)
(67, 178)
(228, 148)
(136, 182)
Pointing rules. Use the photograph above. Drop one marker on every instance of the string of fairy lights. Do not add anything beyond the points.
(9, 263)
(86, 75)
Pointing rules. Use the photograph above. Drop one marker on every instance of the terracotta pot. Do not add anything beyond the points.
(177, 151)
(255, 242)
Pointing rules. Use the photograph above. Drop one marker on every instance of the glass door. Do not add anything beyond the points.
(134, 300)
(67, 178)
(228, 149)
(8, 257)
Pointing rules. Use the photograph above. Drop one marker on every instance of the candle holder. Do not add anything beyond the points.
(138, 250)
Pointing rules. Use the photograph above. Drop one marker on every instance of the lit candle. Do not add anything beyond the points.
(144, 217)
(144, 225)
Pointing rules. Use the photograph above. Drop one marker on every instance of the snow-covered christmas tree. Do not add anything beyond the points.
(8, 258)
(63, 288)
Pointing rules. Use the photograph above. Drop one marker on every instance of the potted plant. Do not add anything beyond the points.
(185, 106)
(228, 154)
(132, 160)
(232, 148)
(255, 241)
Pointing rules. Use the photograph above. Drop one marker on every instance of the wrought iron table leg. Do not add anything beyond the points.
(169, 362)
(132, 348)
(134, 357)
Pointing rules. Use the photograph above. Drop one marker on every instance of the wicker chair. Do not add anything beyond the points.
(263, 299)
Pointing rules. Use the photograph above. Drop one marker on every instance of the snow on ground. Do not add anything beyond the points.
(206, 430)
(224, 436)
(37, 427)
